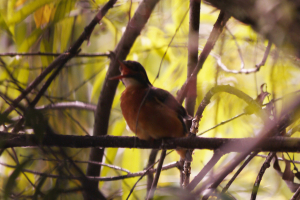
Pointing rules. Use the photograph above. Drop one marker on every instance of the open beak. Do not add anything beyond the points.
(122, 68)
(117, 77)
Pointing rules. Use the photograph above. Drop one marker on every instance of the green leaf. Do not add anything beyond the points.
(29, 41)
(4, 26)
(63, 32)
(46, 45)
(63, 8)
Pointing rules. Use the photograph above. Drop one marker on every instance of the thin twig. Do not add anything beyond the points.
(157, 174)
(221, 123)
(243, 70)
(162, 59)
(49, 81)
(96, 178)
(212, 162)
(264, 167)
(279, 158)
(150, 165)
(151, 162)
(239, 171)
(231, 90)
(82, 84)
(238, 47)
(86, 162)
(266, 54)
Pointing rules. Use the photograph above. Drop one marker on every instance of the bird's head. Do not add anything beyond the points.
(132, 73)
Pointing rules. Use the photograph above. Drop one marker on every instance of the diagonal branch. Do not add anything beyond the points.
(213, 37)
(63, 58)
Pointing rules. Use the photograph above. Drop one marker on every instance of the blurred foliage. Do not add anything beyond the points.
(53, 25)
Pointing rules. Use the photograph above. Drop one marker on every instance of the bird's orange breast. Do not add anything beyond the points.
(150, 119)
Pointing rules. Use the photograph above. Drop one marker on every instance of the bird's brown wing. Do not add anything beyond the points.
(169, 100)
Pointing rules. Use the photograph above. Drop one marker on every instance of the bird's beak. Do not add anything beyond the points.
(123, 68)
(117, 77)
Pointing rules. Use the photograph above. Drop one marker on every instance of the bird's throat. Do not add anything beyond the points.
(130, 82)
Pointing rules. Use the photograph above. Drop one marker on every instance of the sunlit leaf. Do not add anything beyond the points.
(26, 10)
(42, 15)
(20, 3)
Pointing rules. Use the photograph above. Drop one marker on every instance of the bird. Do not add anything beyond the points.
(150, 112)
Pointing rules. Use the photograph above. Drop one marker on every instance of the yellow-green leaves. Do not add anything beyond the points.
(43, 14)
(26, 10)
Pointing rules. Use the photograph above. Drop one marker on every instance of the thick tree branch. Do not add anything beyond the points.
(54, 54)
(280, 144)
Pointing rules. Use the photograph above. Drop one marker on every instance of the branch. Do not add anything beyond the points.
(264, 167)
(296, 195)
(63, 58)
(68, 105)
(151, 162)
(243, 70)
(159, 168)
(231, 90)
(54, 54)
(279, 144)
(191, 66)
(212, 162)
(214, 35)
(93, 178)
(80, 161)
(239, 171)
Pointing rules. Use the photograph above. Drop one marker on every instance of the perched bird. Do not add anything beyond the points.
(150, 112)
